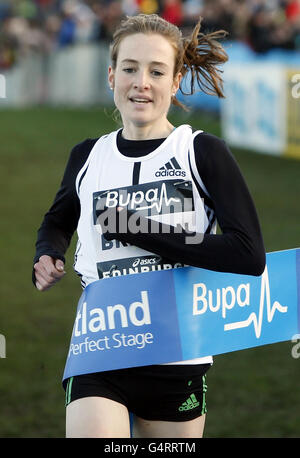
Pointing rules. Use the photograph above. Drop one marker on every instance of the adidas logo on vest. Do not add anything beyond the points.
(189, 404)
(170, 169)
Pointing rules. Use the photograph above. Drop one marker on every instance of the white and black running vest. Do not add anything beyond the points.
(164, 184)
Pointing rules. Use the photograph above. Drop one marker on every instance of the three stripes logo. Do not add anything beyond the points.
(189, 404)
(170, 169)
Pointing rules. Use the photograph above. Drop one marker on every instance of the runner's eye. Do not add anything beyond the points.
(128, 70)
(157, 73)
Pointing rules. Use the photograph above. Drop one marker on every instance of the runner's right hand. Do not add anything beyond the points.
(48, 272)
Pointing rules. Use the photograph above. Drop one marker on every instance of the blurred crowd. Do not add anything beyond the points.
(42, 26)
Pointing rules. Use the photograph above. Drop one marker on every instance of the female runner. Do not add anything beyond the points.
(149, 157)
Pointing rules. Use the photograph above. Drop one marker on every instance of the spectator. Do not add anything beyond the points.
(5, 10)
(66, 34)
(26, 9)
(172, 11)
(130, 7)
(52, 27)
(108, 17)
(260, 30)
(292, 10)
(42, 25)
(148, 6)
(8, 47)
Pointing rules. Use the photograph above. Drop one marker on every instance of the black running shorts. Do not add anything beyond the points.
(158, 392)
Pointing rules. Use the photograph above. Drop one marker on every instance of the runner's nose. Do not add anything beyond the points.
(141, 81)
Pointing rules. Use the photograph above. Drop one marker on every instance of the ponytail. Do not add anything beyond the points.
(202, 54)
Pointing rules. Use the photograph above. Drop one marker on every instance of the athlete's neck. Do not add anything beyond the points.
(147, 132)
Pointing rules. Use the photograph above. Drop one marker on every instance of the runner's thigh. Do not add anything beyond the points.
(97, 417)
(168, 429)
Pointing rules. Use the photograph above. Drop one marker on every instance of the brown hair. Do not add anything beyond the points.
(200, 54)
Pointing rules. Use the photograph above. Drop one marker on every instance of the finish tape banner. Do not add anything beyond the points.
(179, 314)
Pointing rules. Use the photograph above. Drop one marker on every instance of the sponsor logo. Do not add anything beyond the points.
(156, 198)
(144, 207)
(154, 207)
(170, 169)
(189, 404)
(144, 262)
(129, 266)
(224, 299)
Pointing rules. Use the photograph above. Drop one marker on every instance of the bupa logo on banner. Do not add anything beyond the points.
(180, 314)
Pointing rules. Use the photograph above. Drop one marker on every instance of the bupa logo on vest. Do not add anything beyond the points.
(155, 198)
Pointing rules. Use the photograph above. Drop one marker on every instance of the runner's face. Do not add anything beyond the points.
(143, 81)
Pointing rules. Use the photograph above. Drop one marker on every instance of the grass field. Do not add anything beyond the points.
(251, 393)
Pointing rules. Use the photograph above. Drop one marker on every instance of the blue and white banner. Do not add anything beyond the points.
(253, 113)
(180, 314)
